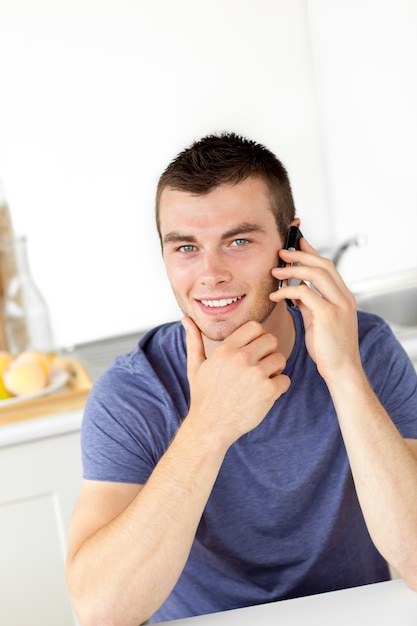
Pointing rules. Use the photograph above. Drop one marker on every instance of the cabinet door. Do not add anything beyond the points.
(39, 483)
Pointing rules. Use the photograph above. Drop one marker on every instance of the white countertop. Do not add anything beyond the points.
(385, 604)
(40, 428)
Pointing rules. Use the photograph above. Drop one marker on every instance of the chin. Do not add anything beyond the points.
(216, 337)
(220, 330)
(215, 331)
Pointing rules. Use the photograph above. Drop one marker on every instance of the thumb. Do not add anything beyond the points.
(195, 348)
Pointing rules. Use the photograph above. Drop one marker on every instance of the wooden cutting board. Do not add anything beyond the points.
(72, 396)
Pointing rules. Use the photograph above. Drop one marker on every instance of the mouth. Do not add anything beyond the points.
(217, 305)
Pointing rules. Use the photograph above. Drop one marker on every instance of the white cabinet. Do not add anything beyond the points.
(39, 483)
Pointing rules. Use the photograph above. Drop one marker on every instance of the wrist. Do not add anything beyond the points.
(202, 438)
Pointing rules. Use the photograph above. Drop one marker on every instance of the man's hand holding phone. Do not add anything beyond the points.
(326, 304)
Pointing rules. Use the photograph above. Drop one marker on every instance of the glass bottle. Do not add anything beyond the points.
(25, 312)
(6, 232)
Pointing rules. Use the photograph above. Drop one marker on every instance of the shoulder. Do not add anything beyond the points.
(370, 323)
(161, 342)
(154, 350)
(134, 409)
(377, 340)
(153, 370)
(389, 368)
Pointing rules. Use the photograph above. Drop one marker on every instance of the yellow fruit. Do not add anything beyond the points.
(23, 377)
(40, 358)
(5, 359)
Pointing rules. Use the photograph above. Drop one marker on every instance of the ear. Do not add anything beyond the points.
(296, 222)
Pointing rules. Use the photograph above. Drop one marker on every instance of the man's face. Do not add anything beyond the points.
(219, 250)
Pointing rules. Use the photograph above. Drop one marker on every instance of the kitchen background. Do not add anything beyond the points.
(97, 96)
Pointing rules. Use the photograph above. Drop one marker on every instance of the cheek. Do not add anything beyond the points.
(259, 271)
(180, 278)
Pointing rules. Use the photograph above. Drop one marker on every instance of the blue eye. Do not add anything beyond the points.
(187, 248)
(240, 242)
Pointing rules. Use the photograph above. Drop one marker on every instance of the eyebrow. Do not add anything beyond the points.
(240, 229)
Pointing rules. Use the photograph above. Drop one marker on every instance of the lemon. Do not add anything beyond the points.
(5, 360)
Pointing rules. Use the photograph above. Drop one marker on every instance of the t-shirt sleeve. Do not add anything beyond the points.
(127, 425)
(392, 376)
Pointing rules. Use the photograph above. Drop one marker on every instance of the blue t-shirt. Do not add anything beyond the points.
(283, 519)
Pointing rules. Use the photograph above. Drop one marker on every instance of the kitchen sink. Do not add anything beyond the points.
(398, 306)
(393, 298)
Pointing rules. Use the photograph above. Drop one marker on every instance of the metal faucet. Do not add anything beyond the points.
(358, 240)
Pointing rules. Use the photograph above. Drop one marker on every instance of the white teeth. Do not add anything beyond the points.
(220, 303)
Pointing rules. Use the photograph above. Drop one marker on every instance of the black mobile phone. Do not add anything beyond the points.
(292, 243)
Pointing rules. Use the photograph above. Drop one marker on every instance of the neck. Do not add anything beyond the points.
(281, 324)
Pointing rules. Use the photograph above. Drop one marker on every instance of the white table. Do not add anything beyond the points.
(383, 604)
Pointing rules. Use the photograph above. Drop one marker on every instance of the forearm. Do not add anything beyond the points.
(384, 470)
(125, 571)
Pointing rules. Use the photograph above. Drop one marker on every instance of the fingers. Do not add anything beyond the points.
(308, 266)
(250, 340)
(245, 334)
(195, 348)
(328, 310)
(256, 346)
(233, 389)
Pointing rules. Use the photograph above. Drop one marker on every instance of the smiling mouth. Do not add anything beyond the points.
(222, 302)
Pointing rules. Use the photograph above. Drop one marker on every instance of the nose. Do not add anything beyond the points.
(214, 269)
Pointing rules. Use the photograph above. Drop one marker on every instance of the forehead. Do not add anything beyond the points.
(246, 201)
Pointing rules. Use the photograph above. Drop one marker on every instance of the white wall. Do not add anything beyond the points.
(366, 71)
(98, 96)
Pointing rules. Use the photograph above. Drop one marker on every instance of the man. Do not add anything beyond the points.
(242, 456)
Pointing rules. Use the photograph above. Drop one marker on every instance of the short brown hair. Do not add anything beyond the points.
(228, 158)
